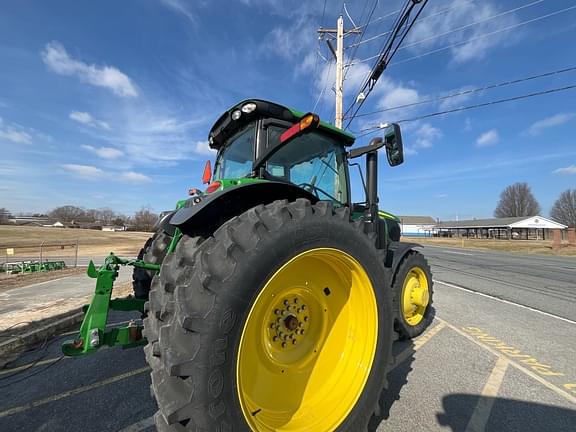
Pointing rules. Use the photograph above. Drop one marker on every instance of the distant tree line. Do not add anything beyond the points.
(142, 220)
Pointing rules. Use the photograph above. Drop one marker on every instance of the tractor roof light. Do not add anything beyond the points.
(308, 121)
(236, 114)
(248, 108)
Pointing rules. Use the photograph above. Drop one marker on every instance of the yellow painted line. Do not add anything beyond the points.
(482, 411)
(73, 392)
(417, 344)
(518, 366)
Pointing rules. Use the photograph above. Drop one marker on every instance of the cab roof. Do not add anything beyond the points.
(225, 126)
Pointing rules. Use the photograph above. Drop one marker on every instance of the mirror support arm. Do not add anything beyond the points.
(375, 145)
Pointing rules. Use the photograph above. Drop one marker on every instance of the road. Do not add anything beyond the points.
(498, 357)
(541, 282)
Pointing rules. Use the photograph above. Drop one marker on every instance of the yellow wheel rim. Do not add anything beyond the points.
(415, 296)
(308, 344)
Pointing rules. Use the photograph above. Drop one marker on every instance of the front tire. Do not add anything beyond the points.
(413, 289)
(281, 320)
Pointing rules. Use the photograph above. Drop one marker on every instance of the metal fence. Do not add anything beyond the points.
(32, 257)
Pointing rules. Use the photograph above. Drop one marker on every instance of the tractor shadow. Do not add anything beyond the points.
(506, 415)
(403, 353)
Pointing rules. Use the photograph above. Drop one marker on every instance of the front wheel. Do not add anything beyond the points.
(413, 295)
(280, 321)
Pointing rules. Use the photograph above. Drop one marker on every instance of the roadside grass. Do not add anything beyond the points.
(532, 247)
(26, 240)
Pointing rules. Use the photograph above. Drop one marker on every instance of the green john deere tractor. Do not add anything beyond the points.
(272, 298)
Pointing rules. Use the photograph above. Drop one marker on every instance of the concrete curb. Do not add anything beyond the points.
(38, 331)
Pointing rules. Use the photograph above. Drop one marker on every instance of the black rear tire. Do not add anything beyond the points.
(153, 252)
(403, 327)
(200, 302)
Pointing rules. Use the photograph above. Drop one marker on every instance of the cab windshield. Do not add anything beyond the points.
(312, 161)
(235, 159)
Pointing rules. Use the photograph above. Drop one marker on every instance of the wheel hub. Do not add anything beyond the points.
(289, 322)
(415, 296)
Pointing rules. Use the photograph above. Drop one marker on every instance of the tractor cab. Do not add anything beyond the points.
(261, 140)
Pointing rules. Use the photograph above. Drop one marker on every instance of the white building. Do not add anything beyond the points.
(417, 226)
(525, 227)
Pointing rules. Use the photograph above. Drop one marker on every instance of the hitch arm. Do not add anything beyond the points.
(93, 333)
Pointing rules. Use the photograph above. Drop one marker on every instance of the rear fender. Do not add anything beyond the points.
(163, 223)
(203, 214)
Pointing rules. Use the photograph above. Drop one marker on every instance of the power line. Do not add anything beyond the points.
(383, 17)
(401, 28)
(375, 128)
(326, 77)
(318, 54)
(419, 21)
(490, 18)
(470, 91)
(361, 35)
(510, 27)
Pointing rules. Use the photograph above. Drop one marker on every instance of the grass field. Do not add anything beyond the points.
(26, 241)
(540, 247)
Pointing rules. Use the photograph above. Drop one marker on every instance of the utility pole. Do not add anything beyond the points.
(339, 56)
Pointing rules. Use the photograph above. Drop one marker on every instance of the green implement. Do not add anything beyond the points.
(93, 332)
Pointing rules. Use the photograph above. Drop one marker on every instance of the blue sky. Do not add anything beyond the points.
(108, 104)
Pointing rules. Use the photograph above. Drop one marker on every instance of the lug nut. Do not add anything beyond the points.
(303, 307)
(293, 341)
(305, 318)
(286, 302)
(283, 344)
(295, 301)
(275, 338)
(277, 311)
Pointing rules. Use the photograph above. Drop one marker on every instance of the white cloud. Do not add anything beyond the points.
(426, 135)
(87, 119)
(488, 138)
(202, 148)
(57, 59)
(13, 134)
(87, 172)
(410, 151)
(134, 177)
(104, 152)
(555, 120)
(566, 170)
(470, 45)
(182, 8)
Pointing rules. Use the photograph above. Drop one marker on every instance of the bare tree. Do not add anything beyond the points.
(144, 220)
(4, 215)
(517, 200)
(564, 209)
(67, 214)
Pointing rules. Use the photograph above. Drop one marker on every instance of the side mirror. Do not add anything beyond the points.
(393, 142)
(207, 176)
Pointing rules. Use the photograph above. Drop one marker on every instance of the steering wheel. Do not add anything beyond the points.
(315, 189)
(310, 188)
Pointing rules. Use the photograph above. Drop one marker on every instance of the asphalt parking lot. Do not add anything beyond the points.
(499, 356)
